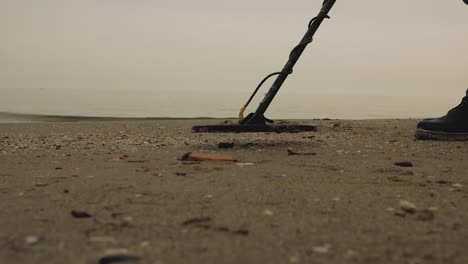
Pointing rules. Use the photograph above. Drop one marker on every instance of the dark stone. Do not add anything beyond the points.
(226, 145)
(442, 182)
(119, 258)
(404, 164)
(196, 221)
(294, 153)
(80, 214)
(242, 232)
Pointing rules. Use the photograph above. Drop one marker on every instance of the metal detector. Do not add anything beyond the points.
(257, 122)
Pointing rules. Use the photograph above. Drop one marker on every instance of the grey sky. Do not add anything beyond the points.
(369, 46)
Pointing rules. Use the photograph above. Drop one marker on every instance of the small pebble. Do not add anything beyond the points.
(127, 218)
(243, 164)
(116, 251)
(32, 240)
(407, 206)
(145, 244)
(322, 249)
(268, 212)
(294, 259)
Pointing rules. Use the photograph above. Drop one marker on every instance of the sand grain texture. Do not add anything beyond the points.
(341, 205)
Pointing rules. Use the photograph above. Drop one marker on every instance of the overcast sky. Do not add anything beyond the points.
(369, 46)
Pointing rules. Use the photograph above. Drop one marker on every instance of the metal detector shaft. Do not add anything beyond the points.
(258, 116)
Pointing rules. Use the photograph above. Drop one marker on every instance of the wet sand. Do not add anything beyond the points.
(74, 192)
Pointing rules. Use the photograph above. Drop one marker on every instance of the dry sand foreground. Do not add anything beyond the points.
(131, 195)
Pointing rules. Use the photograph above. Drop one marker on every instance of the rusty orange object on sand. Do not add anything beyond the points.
(191, 156)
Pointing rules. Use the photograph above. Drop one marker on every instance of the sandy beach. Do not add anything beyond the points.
(97, 192)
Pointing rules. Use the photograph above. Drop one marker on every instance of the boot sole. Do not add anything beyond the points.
(422, 134)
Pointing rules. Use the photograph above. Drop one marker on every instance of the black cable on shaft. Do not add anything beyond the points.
(300, 45)
(259, 86)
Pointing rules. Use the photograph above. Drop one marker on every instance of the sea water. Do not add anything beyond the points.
(219, 104)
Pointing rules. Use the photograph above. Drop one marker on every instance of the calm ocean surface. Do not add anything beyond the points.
(178, 104)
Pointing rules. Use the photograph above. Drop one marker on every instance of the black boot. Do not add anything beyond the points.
(453, 126)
